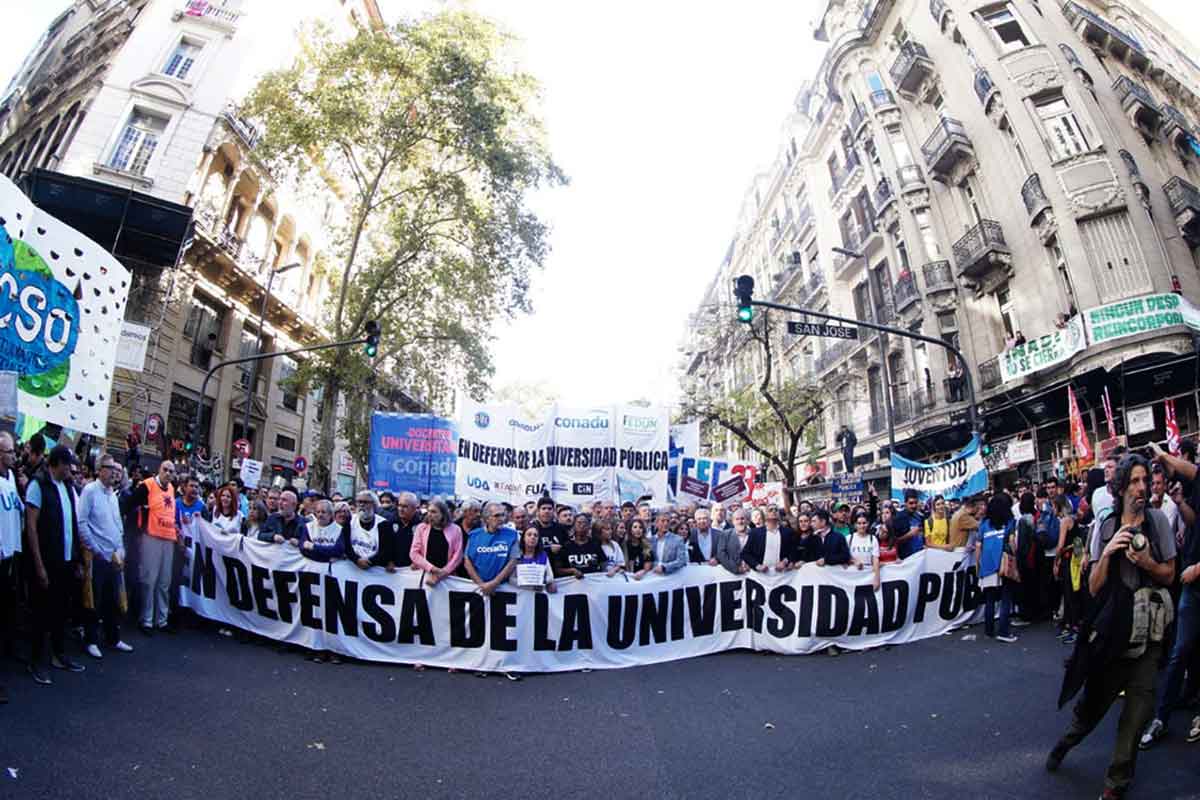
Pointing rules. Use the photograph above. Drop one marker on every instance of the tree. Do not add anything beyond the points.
(772, 416)
(429, 136)
(533, 398)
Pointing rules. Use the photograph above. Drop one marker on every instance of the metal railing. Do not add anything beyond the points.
(226, 239)
(976, 243)
(829, 358)
(883, 195)
(945, 134)
(1129, 91)
(954, 388)
(1069, 54)
(910, 55)
(1033, 196)
(1182, 195)
(1074, 11)
(816, 282)
(938, 275)
(904, 291)
(1174, 116)
(936, 9)
(882, 98)
(910, 175)
(858, 118)
(989, 373)
(1130, 163)
(205, 9)
(983, 85)
(246, 131)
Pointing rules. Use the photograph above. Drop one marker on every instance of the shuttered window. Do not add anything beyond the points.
(1118, 265)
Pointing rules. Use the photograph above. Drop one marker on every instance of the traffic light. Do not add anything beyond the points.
(189, 439)
(743, 290)
(372, 348)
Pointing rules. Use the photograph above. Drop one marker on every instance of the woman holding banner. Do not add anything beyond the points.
(437, 546)
(639, 556)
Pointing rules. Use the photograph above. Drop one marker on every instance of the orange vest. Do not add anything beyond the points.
(160, 505)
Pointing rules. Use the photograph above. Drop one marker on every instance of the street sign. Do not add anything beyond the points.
(242, 448)
(821, 329)
(300, 464)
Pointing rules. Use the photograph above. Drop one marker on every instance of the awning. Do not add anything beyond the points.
(132, 225)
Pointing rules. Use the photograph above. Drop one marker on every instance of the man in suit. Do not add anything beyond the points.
(769, 546)
(835, 550)
(704, 540)
(670, 550)
(729, 552)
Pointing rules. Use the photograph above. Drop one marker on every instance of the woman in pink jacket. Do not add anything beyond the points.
(437, 545)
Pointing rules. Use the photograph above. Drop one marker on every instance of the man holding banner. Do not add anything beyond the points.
(492, 552)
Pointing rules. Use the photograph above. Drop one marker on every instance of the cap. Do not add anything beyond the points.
(840, 505)
(61, 454)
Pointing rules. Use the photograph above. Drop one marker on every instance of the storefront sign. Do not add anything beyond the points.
(1045, 351)
(1139, 420)
(1020, 451)
(1141, 315)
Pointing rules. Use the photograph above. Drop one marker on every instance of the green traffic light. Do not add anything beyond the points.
(746, 314)
(372, 350)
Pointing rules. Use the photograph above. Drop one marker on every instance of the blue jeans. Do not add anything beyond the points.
(1003, 593)
(1187, 631)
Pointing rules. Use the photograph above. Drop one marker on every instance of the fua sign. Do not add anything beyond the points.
(38, 315)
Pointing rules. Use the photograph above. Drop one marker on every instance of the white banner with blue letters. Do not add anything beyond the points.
(960, 476)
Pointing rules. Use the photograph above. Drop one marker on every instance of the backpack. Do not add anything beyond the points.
(1047, 530)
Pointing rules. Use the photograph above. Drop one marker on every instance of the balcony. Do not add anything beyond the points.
(989, 373)
(983, 86)
(882, 197)
(858, 118)
(939, 277)
(246, 131)
(1174, 123)
(1138, 103)
(1099, 31)
(911, 67)
(946, 146)
(1184, 198)
(842, 178)
(216, 16)
(1034, 197)
(221, 233)
(804, 218)
(832, 356)
(910, 177)
(980, 249)
(904, 292)
(877, 422)
(1069, 54)
(882, 100)
(816, 282)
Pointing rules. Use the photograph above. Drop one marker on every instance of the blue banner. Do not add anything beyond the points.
(851, 485)
(412, 453)
(960, 476)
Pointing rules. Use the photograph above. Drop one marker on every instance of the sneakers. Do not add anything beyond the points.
(66, 664)
(39, 675)
(1070, 638)
(1154, 731)
(1194, 733)
(1017, 622)
(93, 650)
(512, 676)
(1009, 639)
(123, 647)
(1055, 759)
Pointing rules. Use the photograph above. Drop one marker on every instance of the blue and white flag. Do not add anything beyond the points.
(959, 477)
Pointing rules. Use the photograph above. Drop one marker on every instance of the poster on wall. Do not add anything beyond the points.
(410, 453)
(1139, 420)
(65, 296)
(1151, 312)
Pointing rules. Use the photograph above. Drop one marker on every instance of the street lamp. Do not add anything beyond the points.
(262, 313)
(883, 364)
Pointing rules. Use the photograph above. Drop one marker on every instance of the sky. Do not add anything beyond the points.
(661, 113)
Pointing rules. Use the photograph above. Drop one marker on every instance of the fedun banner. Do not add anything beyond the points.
(62, 297)
(596, 622)
(960, 476)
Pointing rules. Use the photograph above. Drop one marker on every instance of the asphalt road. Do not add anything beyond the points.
(200, 716)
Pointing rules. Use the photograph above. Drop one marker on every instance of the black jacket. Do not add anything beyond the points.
(835, 549)
(50, 527)
(806, 549)
(756, 546)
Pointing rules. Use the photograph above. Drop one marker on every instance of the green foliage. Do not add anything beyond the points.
(430, 133)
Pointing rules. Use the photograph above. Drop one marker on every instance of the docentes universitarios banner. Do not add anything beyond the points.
(412, 453)
(960, 476)
(613, 453)
(596, 622)
(62, 301)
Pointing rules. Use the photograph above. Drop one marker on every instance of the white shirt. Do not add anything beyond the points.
(659, 544)
(613, 555)
(12, 512)
(704, 540)
(1171, 512)
(771, 550)
(864, 549)
(228, 525)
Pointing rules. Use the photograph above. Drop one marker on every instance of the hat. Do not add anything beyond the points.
(61, 454)
(840, 505)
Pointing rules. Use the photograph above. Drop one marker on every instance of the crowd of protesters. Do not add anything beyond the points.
(70, 535)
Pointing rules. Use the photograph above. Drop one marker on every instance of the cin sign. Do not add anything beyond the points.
(821, 329)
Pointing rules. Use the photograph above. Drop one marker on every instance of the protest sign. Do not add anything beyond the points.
(728, 490)
(958, 477)
(251, 472)
(131, 348)
(712, 472)
(596, 622)
(846, 486)
(411, 453)
(66, 298)
(1139, 420)
(1043, 352)
(770, 493)
(1151, 312)
(685, 443)
(611, 453)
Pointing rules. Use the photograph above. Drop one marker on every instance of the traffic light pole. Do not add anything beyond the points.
(972, 415)
(195, 426)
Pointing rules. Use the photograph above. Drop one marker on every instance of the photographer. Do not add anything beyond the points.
(1133, 563)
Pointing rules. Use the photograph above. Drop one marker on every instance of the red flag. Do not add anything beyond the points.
(1079, 439)
(1172, 428)
(1108, 415)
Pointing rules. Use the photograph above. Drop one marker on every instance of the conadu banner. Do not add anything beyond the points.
(596, 622)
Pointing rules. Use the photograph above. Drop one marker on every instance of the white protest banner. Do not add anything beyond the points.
(643, 441)
(1139, 420)
(1043, 352)
(8, 394)
(582, 455)
(685, 443)
(131, 349)
(960, 476)
(597, 622)
(770, 493)
(251, 472)
(1020, 451)
(501, 454)
(67, 296)
(715, 471)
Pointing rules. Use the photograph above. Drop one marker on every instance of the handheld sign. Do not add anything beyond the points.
(251, 472)
(821, 329)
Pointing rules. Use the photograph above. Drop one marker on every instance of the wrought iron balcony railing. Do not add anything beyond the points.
(1184, 198)
(939, 276)
(883, 196)
(989, 373)
(1033, 196)
(912, 65)
(905, 291)
(858, 118)
(883, 98)
(983, 85)
(1137, 100)
(973, 253)
(246, 131)
(909, 176)
(947, 144)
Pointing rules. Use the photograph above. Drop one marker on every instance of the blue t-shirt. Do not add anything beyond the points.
(185, 513)
(490, 552)
(992, 542)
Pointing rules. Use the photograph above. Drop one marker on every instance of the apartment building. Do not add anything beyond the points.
(1007, 177)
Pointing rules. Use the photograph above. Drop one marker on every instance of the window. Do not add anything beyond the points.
(249, 347)
(182, 412)
(182, 59)
(1007, 29)
(969, 192)
(862, 302)
(875, 391)
(1007, 128)
(1118, 267)
(948, 329)
(287, 370)
(1061, 126)
(204, 324)
(285, 443)
(137, 143)
(900, 147)
(1008, 316)
(933, 248)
